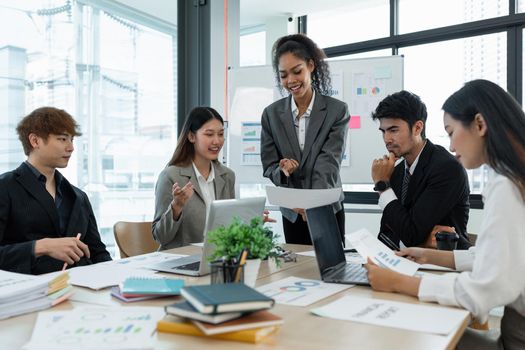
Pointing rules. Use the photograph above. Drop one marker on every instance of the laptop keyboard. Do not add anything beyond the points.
(194, 266)
(352, 272)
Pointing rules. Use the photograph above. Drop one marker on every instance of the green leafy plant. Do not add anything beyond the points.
(231, 240)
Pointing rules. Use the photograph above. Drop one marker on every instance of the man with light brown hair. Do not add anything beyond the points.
(45, 222)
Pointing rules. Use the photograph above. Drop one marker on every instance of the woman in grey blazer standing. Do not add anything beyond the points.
(303, 135)
(193, 178)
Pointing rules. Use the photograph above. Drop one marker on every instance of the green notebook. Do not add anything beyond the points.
(228, 297)
(137, 286)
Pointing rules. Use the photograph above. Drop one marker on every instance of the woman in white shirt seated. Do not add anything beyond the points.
(486, 126)
(192, 179)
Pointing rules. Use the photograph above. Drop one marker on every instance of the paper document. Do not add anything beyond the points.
(111, 273)
(99, 276)
(300, 198)
(93, 298)
(354, 258)
(15, 285)
(21, 293)
(101, 328)
(300, 291)
(413, 317)
(143, 260)
(369, 246)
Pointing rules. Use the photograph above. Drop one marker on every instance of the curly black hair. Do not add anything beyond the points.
(304, 48)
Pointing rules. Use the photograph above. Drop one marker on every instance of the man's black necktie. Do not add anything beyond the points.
(404, 187)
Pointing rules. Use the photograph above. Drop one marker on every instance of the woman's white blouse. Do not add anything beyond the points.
(494, 271)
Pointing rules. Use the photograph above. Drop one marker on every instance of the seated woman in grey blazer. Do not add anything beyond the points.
(303, 135)
(192, 179)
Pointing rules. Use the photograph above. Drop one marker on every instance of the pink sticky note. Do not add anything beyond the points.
(355, 122)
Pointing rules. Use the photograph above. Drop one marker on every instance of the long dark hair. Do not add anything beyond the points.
(185, 150)
(505, 138)
(304, 48)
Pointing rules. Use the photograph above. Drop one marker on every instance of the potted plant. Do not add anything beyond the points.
(260, 241)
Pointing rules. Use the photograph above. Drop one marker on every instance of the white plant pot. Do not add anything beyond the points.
(251, 271)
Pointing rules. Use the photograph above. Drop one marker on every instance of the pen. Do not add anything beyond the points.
(232, 269)
(224, 264)
(65, 264)
(242, 261)
(388, 242)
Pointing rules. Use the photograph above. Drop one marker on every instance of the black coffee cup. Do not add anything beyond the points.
(446, 240)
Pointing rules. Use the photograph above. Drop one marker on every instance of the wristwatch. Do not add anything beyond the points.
(381, 186)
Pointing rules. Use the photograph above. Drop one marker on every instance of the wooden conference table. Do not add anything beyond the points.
(301, 329)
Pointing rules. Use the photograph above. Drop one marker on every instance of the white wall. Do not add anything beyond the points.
(275, 27)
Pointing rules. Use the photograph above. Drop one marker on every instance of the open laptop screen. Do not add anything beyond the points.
(222, 212)
(325, 236)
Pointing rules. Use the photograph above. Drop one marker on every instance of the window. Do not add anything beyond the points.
(252, 48)
(361, 20)
(520, 6)
(118, 81)
(416, 15)
(367, 54)
(434, 71)
(439, 64)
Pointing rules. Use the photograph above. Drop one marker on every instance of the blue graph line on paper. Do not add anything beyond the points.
(388, 260)
(299, 286)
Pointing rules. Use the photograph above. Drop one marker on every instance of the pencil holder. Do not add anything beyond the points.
(226, 273)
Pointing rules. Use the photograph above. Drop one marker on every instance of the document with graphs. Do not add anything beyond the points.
(369, 246)
(414, 317)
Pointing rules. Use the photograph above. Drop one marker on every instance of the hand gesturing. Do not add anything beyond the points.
(181, 195)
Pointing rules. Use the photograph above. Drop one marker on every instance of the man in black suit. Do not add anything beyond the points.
(428, 191)
(41, 213)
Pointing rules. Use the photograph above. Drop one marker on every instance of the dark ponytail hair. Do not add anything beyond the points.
(185, 150)
(303, 48)
(505, 138)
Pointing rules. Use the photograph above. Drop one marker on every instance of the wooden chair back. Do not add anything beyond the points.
(134, 238)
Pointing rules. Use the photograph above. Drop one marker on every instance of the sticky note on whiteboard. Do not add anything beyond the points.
(355, 122)
(382, 73)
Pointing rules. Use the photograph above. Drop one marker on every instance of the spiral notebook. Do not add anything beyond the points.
(140, 286)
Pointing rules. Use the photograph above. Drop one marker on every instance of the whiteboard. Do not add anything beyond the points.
(361, 83)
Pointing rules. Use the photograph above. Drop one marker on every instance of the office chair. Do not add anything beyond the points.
(134, 238)
(472, 237)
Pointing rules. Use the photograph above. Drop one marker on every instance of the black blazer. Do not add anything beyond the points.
(437, 195)
(28, 213)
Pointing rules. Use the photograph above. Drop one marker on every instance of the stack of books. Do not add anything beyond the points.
(143, 288)
(21, 293)
(231, 311)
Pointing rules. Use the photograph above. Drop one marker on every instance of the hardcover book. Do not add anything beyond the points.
(228, 297)
(185, 309)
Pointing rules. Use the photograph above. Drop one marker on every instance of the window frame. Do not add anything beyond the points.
(513, 24)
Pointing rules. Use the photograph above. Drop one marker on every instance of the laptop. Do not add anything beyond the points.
(221, 213)
(329, 251)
